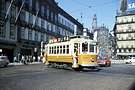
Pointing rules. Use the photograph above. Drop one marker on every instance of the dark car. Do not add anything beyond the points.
(4, 61)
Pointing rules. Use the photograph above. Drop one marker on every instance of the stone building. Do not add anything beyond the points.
(125, 35)
(125, 31)
(25, 23)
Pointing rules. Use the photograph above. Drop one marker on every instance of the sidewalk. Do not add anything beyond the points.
(23, 64)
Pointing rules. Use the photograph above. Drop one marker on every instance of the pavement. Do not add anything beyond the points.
(23, 64)
(39, 77)
(15, 63)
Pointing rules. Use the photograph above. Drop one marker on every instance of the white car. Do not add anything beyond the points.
(4, 61)
(130, 60)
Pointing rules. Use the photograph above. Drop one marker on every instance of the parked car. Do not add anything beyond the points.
(4, 61)
(130, 60)
(106, 63)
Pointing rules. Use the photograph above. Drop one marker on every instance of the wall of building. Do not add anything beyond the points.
(125, 34)
(30, 23)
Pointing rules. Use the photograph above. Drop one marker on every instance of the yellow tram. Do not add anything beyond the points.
(75, 51)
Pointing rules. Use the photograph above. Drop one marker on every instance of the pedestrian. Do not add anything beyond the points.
(75, 58)
(22, 59)
(34, 58)
(38, 58)
(31, 59)
(15, 59)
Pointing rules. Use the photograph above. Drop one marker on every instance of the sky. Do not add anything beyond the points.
(104, 9)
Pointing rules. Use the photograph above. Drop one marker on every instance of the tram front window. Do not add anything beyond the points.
(84, 47)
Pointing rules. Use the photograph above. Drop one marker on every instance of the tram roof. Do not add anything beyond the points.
(79, 36)
(69, 38)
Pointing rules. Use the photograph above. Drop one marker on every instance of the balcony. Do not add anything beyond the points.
(2, 15)
(29, 43)
(127, 31)
(65, 27)
(122, 39)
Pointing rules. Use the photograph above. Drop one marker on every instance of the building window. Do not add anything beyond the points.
(42, 37)
(42, 9)
(27, 3)
(52, 16)
(52, 27)
(2, 31)
(55, 18)
(13, 11)
(29, 35)
(45, 24)
(37, 5)
(129, 36)
(30, 18)
(22, 15)
(133, 50)
(39, 22)
(2, 5)
(42, 23)
(36, 36)
(12, 31)
(22, 33)
(47, 12)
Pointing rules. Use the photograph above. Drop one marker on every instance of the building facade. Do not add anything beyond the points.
(125, 30)
(125, 35)
(105, 42)
(25, 23)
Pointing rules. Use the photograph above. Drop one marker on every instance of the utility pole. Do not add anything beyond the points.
(35, 19)
(81, 17)
(8, 10)
(19, 11)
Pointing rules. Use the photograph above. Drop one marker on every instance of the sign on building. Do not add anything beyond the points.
(131, 5)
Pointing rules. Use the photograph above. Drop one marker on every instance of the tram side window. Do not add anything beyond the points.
(91, 47)
(67, 49)
(84, 47)
(64, 49)
(50, 50)
(57, 49)
(75, 46)
(60, 49)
